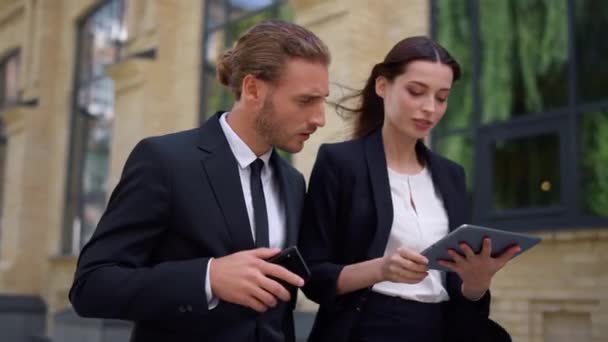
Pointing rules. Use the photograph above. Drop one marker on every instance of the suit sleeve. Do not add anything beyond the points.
(318, 233)
(116, 276)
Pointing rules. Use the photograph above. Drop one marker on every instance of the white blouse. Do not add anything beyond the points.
(416, 226)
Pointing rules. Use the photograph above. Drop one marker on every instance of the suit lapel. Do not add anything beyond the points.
(378, 174)
(221, 169)
(288, 196)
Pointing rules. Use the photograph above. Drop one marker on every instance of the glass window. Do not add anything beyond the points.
(523, 57)
(9, 80)
(591, 49)
(526, 172)
(101, 36)
(594, 163)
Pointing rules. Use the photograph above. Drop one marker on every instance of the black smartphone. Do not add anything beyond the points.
(291, 259)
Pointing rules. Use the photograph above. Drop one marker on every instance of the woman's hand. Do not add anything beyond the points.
(477, 270)
(404, 266)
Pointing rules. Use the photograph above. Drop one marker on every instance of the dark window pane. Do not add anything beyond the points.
(217, 97)
(286, 12)
(526, 172)
(215, 44)
(458, 148)
(454, 34)
(9, 80)
(239, 8)
(85, 54)
(238, 27)
(216, 13)
(97, 98)
(594, 170)
(95, 174)
(107, 31)
(524, 57)
(592, 49)
(12, 80)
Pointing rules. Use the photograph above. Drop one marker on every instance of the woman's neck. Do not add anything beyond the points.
(400, 150)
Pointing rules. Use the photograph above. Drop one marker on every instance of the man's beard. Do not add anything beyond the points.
(265, 123)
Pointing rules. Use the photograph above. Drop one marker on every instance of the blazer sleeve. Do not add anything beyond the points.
(318, 233)
(465, 316)
(115, 277)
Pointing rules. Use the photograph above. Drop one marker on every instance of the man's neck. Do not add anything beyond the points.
(243, 124)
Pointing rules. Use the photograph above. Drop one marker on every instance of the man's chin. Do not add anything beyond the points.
(293, 147)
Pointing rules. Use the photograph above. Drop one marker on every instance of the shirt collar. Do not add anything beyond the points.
(243, 154)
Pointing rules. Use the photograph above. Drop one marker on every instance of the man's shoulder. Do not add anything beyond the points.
(189, 136)
(167, 148)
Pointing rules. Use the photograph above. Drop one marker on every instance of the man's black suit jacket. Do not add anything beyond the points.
(178, 203)
(347, 219)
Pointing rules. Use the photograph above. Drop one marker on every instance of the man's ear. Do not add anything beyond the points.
(253, 90)
(380, 86)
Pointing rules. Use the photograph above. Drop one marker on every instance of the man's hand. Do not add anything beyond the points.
(244, 278)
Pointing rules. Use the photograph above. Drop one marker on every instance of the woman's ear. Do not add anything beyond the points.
(381, 84)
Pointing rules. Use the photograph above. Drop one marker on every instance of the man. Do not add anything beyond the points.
(181, 248)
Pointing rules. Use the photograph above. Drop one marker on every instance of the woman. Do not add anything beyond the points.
(376, 201)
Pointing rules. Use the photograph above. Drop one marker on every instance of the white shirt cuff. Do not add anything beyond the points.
(211, 300)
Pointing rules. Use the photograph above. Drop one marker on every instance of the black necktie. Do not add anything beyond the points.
(260, 215)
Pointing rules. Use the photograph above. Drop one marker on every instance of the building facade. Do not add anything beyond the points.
(82, 81)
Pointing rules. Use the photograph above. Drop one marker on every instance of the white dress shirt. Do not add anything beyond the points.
(416, 226)
(276, 211)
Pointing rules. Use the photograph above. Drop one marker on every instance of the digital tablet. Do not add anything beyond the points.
(473, 236)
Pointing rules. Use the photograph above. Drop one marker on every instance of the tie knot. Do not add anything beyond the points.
(256, 166)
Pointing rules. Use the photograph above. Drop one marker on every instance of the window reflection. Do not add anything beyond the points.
(524, 57)
(594, 168)
(526, 172)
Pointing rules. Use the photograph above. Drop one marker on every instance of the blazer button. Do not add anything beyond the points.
(358, 309)
(182, 309)
(189, 308)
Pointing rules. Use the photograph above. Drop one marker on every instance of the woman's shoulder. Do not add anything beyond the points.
(452, 168)
(342, 152)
